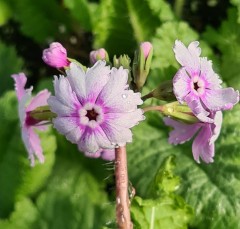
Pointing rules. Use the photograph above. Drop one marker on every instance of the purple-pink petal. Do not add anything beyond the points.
(188, 57)
(39, 100)
(181, 132)
(220, 99)
(20, 83)
(197, 108)
(181, 83)
(201, 147)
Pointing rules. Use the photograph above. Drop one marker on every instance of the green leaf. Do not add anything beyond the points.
(227, 40)
(10, 63)
(23, 217)
(73, 197)
(5, 12)
(237, 4)
(166, 210)
(40, 20)
(83, 11)
(124, 23)
(211, 189)
(17, 178)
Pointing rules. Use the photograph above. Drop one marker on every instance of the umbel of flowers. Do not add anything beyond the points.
(96, 107)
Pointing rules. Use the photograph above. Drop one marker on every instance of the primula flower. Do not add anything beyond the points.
(105, 154)
(198, 85)
(203, 144)
(95, 109)
(28, 124)
(55, 56)
(100, 54)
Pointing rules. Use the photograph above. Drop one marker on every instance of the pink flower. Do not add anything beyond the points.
(28, 124)
(95, 109)
(146, 48)
(100, 54)
(203, 144)
(55, 56)
(105, 154)
(198, 85)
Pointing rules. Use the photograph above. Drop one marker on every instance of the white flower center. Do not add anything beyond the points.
(198, 85)
(91, 115)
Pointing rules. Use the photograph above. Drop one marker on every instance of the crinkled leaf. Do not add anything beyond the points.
(212, 190)
(23, 217)
(40, 20)
(74, 197)
(167, 209)
(10, 63)
(16, 175)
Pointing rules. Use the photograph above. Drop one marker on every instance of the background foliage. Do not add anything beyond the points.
(71, 191)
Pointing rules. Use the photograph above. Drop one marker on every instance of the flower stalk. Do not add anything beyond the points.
(122, 199)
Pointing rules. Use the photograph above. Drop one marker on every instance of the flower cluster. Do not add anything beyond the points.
(199, 86)
(95, 108)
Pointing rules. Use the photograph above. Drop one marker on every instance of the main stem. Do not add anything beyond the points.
(122, 198)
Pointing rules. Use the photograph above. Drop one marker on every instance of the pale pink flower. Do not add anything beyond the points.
(207, 133)
(146, 48)
(99, 54)
(95, 109)
(26, 104)
(198, 85)
(55, 56)
(105, 154)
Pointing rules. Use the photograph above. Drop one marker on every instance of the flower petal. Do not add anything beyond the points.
(181, 82)
(197, 108)
(127, 120)
(116, 134)
(108, 154)
(87, 142)
(39, 100)
(188, 57)
(201, 147)
(221, 99)
(64, 92)
(76, 77)
(119, 99)
(182, 132)
(59, 108)
(20, 83)
(210, 78)
(216, 126)
(96, 78)
(32, 144)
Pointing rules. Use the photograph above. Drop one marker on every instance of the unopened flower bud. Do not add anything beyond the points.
(142, 63)
(55, 56)
(146, 47)
(180, 112)
(123, 61)
(100, 54)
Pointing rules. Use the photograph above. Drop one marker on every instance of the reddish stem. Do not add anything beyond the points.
(122, 198)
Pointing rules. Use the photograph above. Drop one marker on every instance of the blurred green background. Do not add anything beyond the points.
(70, 191)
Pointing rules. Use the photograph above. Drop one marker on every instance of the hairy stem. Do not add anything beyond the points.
(122, 199)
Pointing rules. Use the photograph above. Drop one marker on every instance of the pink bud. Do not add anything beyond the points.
(96, 55)
(55, 56)
(146, 48)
